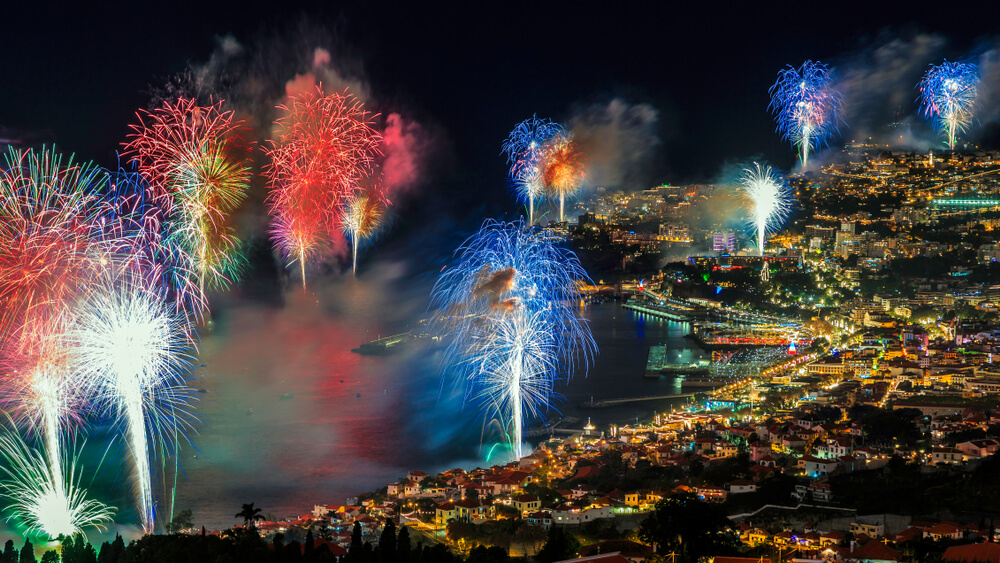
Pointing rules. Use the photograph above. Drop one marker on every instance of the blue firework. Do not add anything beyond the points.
(511, 309)
(948, 97)
(806, 107)
(524, 148)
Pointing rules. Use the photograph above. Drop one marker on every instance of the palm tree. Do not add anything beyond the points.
(250, 515)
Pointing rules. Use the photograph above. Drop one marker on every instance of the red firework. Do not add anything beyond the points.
(194, 160)
(325, 146)
(51, 242)
(564, 170)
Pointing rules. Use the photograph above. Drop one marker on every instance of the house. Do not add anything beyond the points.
(871, 530)
(941, 454)
(563, 515)
(831, 538)
(978, 448)
(444, 513)
(820, 491)
(543, 519)
(474, 509)
(757, 536)
(742, 486)
(835, 447)
(526, 503)
(873, 552)
(711, 494)
(814, 467)
(943, 530)
(395, 489)
(977, 552)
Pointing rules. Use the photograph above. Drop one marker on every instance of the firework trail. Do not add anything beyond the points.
(362, 216)
(325, 146)
(194, 162)
(524, 148)
(51, 243)
(769, 200)
(132, 349)
(948, 96)
(806, 107)
(511, 307)
(42, 500)
(563, 168)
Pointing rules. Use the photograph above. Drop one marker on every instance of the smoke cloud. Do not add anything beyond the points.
(617, 139)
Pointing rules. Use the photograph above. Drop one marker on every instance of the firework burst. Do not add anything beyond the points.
(43, 501)
(194, 161)
(131, 348)
(948, 96)
(325, 146)
(806, 107)
(524, 148)
(769, 200)
(362, 217)
(511, 308)
(563, 169)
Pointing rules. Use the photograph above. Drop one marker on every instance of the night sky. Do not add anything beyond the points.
(80, 72)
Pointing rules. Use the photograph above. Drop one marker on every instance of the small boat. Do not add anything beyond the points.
(286, 396)
(249, 412)
(356, 395)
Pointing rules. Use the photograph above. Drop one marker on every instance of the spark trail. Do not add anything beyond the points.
(525, 149)
(948, 97)
(806, 107)
(510, 307)
(769, 200)
(132, 349)
(324, 147)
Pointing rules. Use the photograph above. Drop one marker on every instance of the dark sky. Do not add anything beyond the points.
(80, 72)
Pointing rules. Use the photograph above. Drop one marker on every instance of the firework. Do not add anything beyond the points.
(948, 96)
(524, 148)
(131, 348)
(325, 146)
(194, 162)
(769, 200)
(50, 241)
(563, 168)
(362, 215)
(42, 500)
(510, 306)
(806, 107)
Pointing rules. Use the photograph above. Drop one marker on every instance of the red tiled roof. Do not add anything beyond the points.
(979, 552)
(875, 550)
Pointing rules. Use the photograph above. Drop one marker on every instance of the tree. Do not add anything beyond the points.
(691, 528)
(183, 520)
(50, 556)
(9, 552)
(355, 552)
(27, 553)
(250, 515)
(403, 545)
(309, 549)
(558, 547)
(387, 542)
